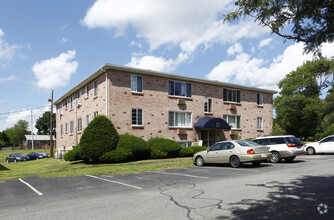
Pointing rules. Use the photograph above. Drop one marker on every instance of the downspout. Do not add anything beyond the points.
(107, 93)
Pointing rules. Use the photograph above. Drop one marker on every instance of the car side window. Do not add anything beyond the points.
(277, 141)
(228, 145)
(263, 142)
(216, 147)
(330, 139)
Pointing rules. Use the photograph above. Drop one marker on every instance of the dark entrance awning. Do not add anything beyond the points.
(210, 122)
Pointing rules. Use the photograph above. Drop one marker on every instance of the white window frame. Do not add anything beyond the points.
(71, 127)
(79, 125)
(96, 88)
(87, 120)
(234, 125)
(259, 123)
(87, 92)
(138, 115)
(134, 83)
(207, 105)
(259, 99)
(231, 95)
(175, 116)
(187, 88)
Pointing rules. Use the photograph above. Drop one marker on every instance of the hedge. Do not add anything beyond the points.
(120, 155)
(136, 145)
(190, 151)
(163, 148)
(73, 155)
(99, 137)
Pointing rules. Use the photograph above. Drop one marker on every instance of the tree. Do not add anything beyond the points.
(299, 108)
(99, 137)
(43, 123)
(4, 140)
(17, 132)
(311, 20)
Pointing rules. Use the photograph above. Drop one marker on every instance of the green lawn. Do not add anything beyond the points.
(54, 168)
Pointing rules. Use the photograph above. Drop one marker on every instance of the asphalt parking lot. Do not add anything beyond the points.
(275, 191)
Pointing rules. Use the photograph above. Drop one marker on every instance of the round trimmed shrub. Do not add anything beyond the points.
(120, 155)
(163, 148)
(99, 137)
(136, 145)
(73, 155)
(190, 151)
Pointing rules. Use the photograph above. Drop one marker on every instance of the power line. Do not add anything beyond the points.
(13, 112)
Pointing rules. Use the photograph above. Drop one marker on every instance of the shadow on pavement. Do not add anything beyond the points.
(309, 197)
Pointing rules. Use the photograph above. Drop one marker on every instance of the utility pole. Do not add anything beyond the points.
(32, 133)
(51, 128)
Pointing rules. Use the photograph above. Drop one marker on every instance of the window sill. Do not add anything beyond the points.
(137, 93)
(95, 97)
(208, 113)
(86, 98)
(260, 106)
(180, 97)
(187, 128)
(235, 129)
(79, 132)
(260, 130)
(137, 126)
(236, 103)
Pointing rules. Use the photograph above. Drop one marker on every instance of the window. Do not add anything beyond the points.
(185, 144)
(79, 95)
(66, 127)
(71, 127)
(216, 147)
(79, 124)
(179, 89)
(95, 88)
(96, 113)
(66, 101)
(179, 119)
(230, 95)
(207, 105)
(137, 116)
(136, 83)
(233, 121)
(87, 120)
(60, 110)
(71, 102)
(61, 130)
(259, 99)
(86, 92)
(259, 124)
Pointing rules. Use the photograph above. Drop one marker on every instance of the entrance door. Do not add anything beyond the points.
(208, 136)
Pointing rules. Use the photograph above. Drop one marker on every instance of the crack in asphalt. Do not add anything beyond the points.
(186, 196)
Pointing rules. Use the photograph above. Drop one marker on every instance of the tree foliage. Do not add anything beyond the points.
(311, 20)
(299, 108)
(43, 123)
(4, 140)
(17, 132)
(99, 137)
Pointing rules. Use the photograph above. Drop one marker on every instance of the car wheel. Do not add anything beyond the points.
(276, 157)
(289, 159)
(256, 163)
(235, 162)
(199, 161)
(310, 151)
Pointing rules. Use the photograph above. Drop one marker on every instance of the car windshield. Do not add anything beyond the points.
(20, 154)
(246, 143)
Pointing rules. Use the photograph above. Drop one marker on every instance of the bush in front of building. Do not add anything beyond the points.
(99, 137)
(163, 148)
(73, 155)
(136, 145)
(120, 155)
(190, 151)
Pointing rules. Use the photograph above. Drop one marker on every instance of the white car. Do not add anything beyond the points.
(285, 147)
(234, 153)
(325, 145)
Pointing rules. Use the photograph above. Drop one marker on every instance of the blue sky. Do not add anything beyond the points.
(47, 45)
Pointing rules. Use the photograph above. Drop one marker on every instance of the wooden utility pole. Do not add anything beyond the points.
(51, 128)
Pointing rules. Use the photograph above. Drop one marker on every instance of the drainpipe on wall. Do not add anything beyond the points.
(107, 88)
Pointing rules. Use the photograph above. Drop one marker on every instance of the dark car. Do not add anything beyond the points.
(16, 157)
(46, 154)
(35, 155)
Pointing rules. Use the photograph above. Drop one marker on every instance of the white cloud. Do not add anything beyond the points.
(265, 42)
(8, 79)
(187, 23)
(55, 72)
(14, 117)
(235, 48)
(7, 51)
(64, 40)
(249, 71)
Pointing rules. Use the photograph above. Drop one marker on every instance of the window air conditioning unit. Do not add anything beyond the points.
(181, 131)
(233, 106)
(181, 101)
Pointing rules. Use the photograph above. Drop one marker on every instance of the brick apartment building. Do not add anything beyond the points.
(149, 104)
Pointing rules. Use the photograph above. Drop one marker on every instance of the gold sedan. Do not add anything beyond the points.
(233, 152)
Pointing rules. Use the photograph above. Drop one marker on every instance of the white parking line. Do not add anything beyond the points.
(124, 184)
(32, 188)
(179, 174)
